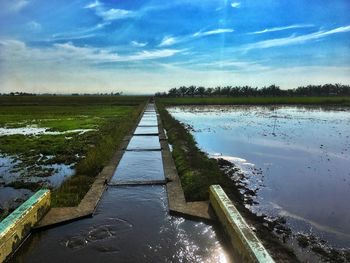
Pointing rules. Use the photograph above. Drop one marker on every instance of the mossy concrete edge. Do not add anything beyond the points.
(243, 240)
(15, 228)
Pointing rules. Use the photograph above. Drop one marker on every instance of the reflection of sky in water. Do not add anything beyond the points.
(303, 153)
(9, 172)
(131, 224)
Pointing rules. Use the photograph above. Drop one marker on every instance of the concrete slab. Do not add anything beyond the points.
(146, 122)
(143, 143)
(139, 166)
(146, 130)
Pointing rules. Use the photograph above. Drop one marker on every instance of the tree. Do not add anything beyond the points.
(183, 90)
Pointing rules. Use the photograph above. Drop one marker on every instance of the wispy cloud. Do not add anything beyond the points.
(170, 40)
(93, 4)
(292, 40)
(236, 4)
(79, 33)
(213, 32)
(109, 14)
(233, 65)
(274, 29)
(13, 6)
(17, 52)
(138, 44)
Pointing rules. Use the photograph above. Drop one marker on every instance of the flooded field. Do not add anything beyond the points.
(131, 223)
(40, 146)
(291, 163)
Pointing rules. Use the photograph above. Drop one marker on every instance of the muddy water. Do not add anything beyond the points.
(297, 159)
(131, 224)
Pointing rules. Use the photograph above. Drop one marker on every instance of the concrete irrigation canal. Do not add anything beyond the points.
(131, 222)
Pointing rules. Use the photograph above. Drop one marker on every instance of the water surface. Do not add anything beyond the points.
(297, 159)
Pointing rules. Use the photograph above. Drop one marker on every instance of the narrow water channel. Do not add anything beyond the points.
(131, 223)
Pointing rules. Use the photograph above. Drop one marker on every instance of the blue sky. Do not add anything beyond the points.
(139, 46)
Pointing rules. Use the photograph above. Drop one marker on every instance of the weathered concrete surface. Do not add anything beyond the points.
(15, 228)
(61, 215)
(176, 198)
(244, 242)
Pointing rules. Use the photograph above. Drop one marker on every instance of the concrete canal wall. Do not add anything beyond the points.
(243, 240)
(15, 228)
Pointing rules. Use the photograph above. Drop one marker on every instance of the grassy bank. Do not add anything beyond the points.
(345, 101)
(106, 121)
(196, 170)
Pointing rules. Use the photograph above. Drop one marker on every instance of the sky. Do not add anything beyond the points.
(142, 47)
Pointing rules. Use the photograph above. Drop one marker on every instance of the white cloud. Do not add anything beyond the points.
(93, 4)
(13, 6)
(15, 51)
(138, 44)
(114, 14)
(109, 14)
(80, 33)
(53, 69)
(291, 40)
(213, 32)
(273, 29)
(154, 54)
(235, 4)
(169, 40)
(34, 26)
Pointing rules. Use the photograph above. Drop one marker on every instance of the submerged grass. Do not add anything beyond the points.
(345, 101)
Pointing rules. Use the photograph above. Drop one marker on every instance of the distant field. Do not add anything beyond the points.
(60, 142)
(70, 100)
(345, 101)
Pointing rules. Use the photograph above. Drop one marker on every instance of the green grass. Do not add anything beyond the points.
(111, 117)
(345, 101)
(196, 170)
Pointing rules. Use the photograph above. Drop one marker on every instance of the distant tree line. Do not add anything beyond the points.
(54, 94)
(248, 91)
(17, 94)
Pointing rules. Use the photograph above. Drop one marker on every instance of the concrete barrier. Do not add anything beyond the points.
(15, 227)
(246, 246)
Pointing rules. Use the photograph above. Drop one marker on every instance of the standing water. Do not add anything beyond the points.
(295, 159)
(132, 223)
